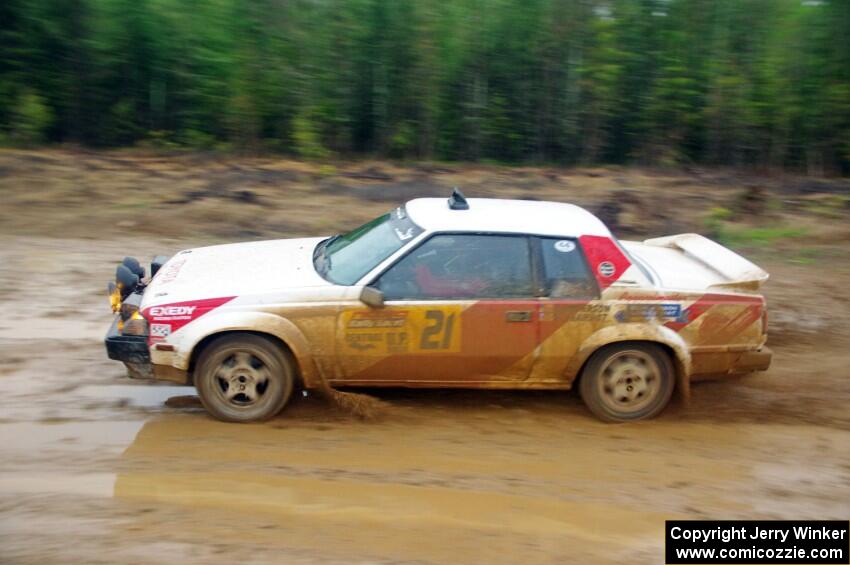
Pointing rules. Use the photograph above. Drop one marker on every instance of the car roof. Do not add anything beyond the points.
(506, 216)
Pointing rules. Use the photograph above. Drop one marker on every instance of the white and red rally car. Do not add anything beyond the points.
(478, 294)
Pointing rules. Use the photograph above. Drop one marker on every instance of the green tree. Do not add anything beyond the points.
(752, 83)
(30, 119)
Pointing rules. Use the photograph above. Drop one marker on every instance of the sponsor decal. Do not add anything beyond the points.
(649, 312)
(644, 296)
(175, 316)
(404, 235)
(159, 332)
(391, 332)
(361, 320)
(705, 302)
(606, 269)
(564, 246)
(367, 331)
(673, 311)
(363, 342)
(592, 313)
(172, 312)
(170, 271)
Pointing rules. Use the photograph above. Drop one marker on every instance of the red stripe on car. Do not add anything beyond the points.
(165, 319)
(706, 301)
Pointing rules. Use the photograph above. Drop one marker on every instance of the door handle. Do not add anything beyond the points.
(518, 315)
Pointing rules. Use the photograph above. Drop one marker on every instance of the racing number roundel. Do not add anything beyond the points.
(607, 269)
(564, 246)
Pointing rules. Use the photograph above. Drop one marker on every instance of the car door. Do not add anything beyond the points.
(570, 310)
(460, 309)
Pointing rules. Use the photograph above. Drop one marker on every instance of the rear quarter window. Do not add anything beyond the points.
(565, 270)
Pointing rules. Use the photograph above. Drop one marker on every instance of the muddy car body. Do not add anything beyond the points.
(478, 294)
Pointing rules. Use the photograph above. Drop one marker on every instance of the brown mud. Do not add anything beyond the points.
(97, 468)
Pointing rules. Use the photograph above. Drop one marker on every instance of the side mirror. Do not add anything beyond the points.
(371, 296)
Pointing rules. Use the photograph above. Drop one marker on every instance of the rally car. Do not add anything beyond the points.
(478, 293)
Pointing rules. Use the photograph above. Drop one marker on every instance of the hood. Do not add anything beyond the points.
(236, 269)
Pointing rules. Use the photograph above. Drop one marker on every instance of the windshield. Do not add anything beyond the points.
(345, 259)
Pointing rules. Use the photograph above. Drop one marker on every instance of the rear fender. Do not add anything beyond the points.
(655, 333)
(258, 322)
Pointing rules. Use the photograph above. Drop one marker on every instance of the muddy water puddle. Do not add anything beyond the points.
(477, 485)
(138, 394)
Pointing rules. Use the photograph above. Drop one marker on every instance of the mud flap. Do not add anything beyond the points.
(139, 370)
(683, 384)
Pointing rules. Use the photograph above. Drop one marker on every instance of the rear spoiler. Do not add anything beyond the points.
(739, 272)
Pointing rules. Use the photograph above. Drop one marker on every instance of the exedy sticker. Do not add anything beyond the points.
(172, 317)
(172, 312)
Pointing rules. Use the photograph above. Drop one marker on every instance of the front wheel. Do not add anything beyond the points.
(244, 378)
(627, 382)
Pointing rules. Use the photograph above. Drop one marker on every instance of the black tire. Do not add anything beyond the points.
(627, 382)
(244, 378)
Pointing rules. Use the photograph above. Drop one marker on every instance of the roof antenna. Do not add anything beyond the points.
(458, 200)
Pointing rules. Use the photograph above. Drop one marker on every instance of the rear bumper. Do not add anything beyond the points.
(718, 362)
(126, 348)
(749, 361)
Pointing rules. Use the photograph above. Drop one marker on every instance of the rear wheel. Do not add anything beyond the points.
(244, 378)
(621, 383)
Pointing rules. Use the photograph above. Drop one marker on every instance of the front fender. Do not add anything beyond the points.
(261, 322)
(638, 332)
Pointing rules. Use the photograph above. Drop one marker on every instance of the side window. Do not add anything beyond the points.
(461, 266)
(565, 270)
